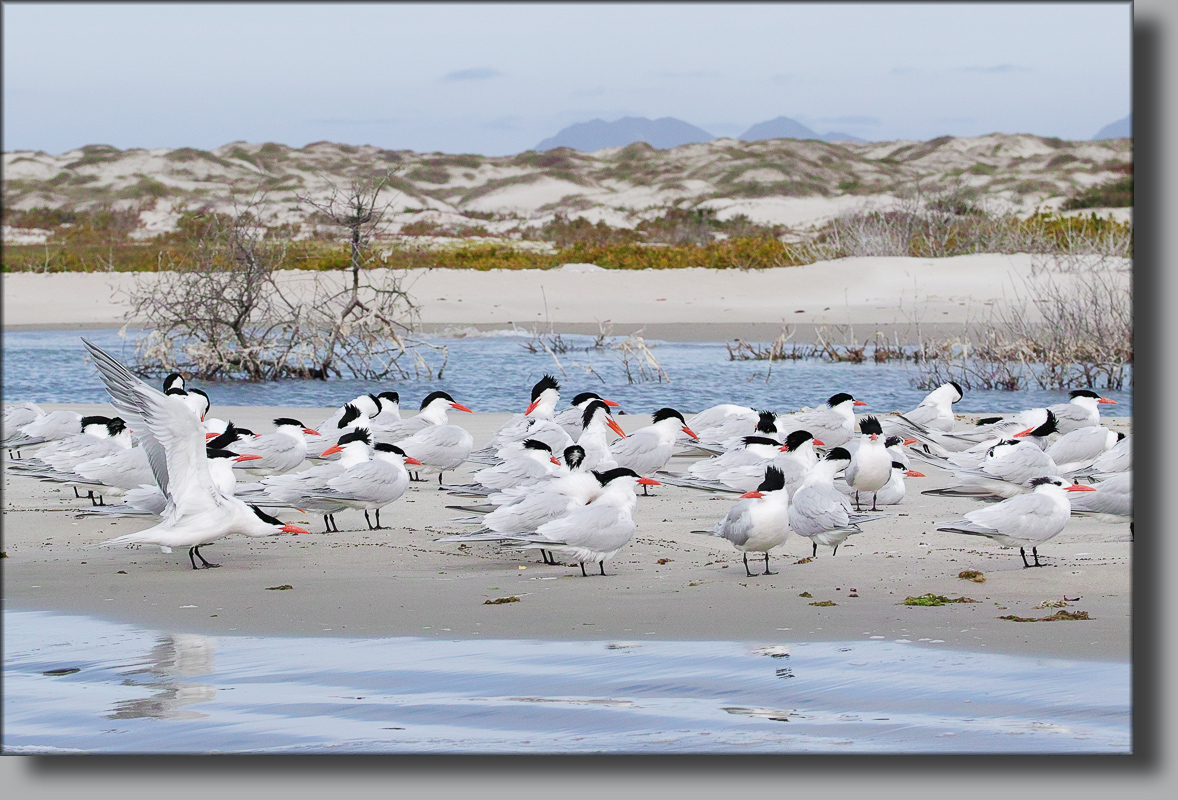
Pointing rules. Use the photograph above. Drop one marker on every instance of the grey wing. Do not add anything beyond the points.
(595, 527)
(1114, 496)
(371, 481)
(737, 525)
(169, 432)
(275, 449)
(1020, 464)
(529, 513)
(815, 509)
(1024, 516)
(123, 470)
(1080, 445)
(634, 447)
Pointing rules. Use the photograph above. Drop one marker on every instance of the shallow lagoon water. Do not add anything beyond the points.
(74, 683)
(495, 372)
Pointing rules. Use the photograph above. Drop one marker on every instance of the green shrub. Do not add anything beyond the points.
(1115, 194)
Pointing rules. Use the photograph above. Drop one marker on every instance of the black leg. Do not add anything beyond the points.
(857, 500)
(583, 573)
(76, 492)
(1023, 553)
(206, 564)
(644, 492)
(101, 500)
(601, 565)
(873, 496)
(378, 525)
(366, 519)
(767, 572)
(1035, 552)
(440, 486)
(93, 502)
(747, 571)
(815, 553)
(835, 551)
(192, 550)
(326, 525)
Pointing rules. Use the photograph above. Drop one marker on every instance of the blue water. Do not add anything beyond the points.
(496, 373)
(74, 683)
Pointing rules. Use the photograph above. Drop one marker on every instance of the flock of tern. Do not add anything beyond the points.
(565, 482)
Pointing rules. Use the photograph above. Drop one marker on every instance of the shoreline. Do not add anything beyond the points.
(360, 583)
(901, 295)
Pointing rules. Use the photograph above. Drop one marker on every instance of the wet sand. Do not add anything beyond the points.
(399, 582)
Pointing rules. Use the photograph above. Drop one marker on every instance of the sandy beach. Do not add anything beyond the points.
(898, 296)
(667, 584)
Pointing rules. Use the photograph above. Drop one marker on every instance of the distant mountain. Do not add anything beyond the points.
(662, 134)
(786, 128)
(1115, 130)
(780, 128)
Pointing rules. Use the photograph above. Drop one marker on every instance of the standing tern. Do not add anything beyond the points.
(1027, 519)
(649, 449)
(371, 485)
(871, 463)
(572, 418)
(834, 424)
(595, 419)
(281, 451)
(173, 437)
(819, 511)
(758, 521)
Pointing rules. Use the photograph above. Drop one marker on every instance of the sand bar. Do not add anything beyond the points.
(400, 582)
(901, 296)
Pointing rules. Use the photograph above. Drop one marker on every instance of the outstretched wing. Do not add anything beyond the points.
(169, 432)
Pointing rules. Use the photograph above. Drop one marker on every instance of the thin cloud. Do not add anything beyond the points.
(995, 69)
(851, 120)
(344, 121)
(474, 74)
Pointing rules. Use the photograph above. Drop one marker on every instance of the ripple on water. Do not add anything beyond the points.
(75, 683)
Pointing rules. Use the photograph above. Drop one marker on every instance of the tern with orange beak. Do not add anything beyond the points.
(571, 418)
(834, 424)
(1022, 521)
(370, 485)
(871, 463)
(595, 420)
(197, 513)
(438, 445)
(649, 449)
(758, 521)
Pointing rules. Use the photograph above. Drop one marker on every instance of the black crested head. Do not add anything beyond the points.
(1120, 436)
(836, 399)
(95, 420)
(1002, 443)
(796, 439)
(173, 379)
(288, 421)
(585, 397)
(760, 440)
(766, 422)
(869, 425)
(176, 391)
(774, 480)
(574, 456)
(231, 434)
(590, 410)
(351, 414)
(893, 441)
(392, 397)
(838, 454)
(1074, 393)
(116, 426)
(384, 447)
(375, 401)
(547, 382)
(988, 420)
(957, 386)
(536, 444)
(359, 435)
(244, 432)
(613, 474)
(898, 465)
(1045, 479)
(668, 413)
(216, 452)
(264, 517)
(1047, 428)
(432, 396)
(205, 395)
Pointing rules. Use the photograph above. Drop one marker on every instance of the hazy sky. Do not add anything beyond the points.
(497, 78)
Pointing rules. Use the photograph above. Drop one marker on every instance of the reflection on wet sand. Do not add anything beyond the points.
(181, 655)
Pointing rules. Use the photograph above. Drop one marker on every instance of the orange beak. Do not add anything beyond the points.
(1079, 487)
(649, 482)
(289, 528)
(311, 431)
(414, 461)
(616, 428)
(609, 403)
(911, 441)
(690, 433)
(874, 436)
(531, 407)
(1023, 433)
(553, 460)
(249, 457)
(335, 448)
(461, 407)
(211, 436)
(1107, 400)
(858, 403)
(819, 442)
(914, 474)
(754, 495)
